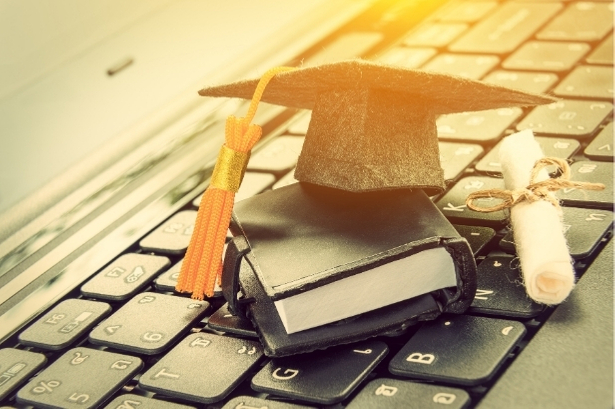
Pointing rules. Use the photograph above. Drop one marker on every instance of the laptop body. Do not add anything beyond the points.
(49, 161)
(121, 141)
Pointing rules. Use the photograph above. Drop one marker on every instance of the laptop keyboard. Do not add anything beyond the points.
(124, 339)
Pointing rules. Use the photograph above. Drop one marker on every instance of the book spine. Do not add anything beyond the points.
(458, 300)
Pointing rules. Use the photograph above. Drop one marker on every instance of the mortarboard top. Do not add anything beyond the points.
(374, 126)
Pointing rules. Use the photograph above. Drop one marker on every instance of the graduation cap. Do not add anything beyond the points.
(373, 127)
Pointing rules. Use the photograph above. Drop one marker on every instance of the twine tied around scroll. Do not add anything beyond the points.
(534, 191)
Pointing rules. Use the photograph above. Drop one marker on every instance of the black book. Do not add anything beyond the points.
(313, 266)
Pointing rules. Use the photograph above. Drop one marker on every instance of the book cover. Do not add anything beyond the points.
(303, 237)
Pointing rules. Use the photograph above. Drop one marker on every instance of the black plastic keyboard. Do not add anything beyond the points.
(124, 338)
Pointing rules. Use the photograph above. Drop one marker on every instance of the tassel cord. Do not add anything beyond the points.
(202, 264)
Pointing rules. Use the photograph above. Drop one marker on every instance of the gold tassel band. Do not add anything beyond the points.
(229, 170)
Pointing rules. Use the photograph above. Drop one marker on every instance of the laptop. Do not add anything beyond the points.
(107, 148)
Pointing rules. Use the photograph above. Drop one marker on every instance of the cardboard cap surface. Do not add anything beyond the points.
(374, 126)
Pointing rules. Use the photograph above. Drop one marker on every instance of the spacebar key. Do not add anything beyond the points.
(506, 29)
(569, 362)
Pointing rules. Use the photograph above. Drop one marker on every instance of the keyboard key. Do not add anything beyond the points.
(279, 155)
(197, 200)
(173, 236)
(203, 367)
(589, 171)
(558, 147)
(247, 402)
(469, 11)
(584, 229)
(500, 290)
(253, 184)
(64, 324)
(81, 378)
(285, 180)
(124, 277)
(162, 319)
(132, 401)
(601, 148)
(546, 56)
(469, 66)
(481, 126)
(576, 339)
(505, 29)
(408, 57)
(168, 280)
(393, 393)
(223, 320)
(453, 203)
(536, 82)
(323, 377)
(603, 54)
(344, 47)
(461, 349)
(582, 21)
(587, 82)
(477, 236)
(455, 157)
(300, 123)
(434, 34)
(16, 366)
(568, 117)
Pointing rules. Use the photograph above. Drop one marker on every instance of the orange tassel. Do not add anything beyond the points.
(202, 264)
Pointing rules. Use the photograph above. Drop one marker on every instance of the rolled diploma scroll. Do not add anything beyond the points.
(537, 226)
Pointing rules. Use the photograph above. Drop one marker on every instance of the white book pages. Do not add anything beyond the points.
(393, 282)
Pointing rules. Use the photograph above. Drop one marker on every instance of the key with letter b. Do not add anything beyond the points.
(460, 349)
